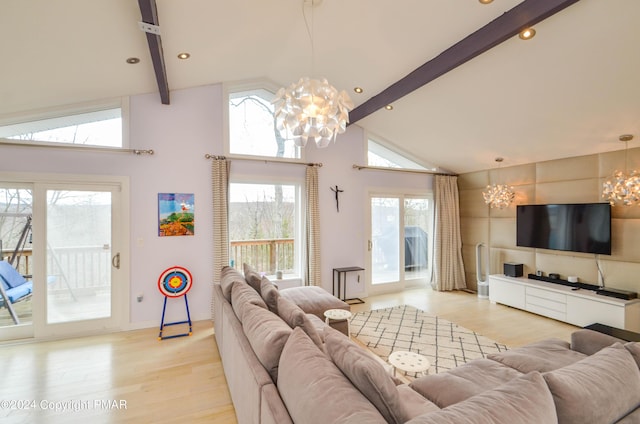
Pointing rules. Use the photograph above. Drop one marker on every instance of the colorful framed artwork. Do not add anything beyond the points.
(176, 214)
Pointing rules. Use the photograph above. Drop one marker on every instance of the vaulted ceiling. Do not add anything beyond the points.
(571, 90)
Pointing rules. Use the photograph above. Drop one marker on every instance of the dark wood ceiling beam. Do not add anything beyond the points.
(149, 14)
(526, 14)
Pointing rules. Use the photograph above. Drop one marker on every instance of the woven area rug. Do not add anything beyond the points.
(445, 344)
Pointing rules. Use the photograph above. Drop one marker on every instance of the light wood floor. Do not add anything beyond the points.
(181, 380)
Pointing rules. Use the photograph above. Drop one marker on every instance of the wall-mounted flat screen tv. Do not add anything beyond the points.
(580, 227)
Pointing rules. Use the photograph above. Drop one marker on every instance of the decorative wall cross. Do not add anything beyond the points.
(337, 191)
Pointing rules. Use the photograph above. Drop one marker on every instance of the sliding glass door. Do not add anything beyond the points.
(67, 241)
(78, 255)
(401, 226)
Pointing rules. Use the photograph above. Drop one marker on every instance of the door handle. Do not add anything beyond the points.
(115, 261)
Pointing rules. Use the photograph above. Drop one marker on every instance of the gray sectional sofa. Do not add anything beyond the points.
(283, 364)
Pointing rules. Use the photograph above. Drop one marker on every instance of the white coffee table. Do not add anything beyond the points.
(338, 315)
(409, 362)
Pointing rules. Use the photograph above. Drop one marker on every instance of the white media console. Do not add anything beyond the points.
(578, 307)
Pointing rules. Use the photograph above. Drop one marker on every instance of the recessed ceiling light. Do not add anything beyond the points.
(184, 55)
(626, 137)
(133, 60)
(527, 34)
(358, 90)
(389, 107)
(485, 1)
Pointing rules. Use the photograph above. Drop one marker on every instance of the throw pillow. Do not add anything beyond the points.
(269, 294)
(295, 317)
(634, 349)
(601, 388)
(524, 400)
(315, 391)
(267, 334)
(366, 374)
(543, 356)
(251, 275)
(227, 277)
(243, 295)
(589, 341)
(463, 382)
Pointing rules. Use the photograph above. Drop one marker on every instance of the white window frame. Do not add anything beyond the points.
(24, 118)
(243, 86)
(289, 281)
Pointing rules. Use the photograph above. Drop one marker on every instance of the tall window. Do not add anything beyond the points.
(264, 227)
(101, 128)
(252, 128)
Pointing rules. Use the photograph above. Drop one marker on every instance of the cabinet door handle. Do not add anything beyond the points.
(370, 245)
(115, 261)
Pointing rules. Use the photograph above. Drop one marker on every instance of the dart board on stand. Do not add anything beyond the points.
(175, 281)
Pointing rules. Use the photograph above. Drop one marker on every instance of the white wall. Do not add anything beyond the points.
(181, 134)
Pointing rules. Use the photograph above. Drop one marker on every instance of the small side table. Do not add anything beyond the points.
(409, 362)
(338, 315)
(341, 273)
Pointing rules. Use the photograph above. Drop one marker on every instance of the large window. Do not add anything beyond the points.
(252, 128)
(264, 227)
(89, 126)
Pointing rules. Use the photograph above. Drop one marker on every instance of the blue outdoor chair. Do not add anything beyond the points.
(13, 288)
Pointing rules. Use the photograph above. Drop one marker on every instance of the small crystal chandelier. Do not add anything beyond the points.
(499, 195)
(311, 109)
(623, 188)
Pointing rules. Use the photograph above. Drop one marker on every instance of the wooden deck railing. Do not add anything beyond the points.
(266, 256)
(88, 267)
(81, 267)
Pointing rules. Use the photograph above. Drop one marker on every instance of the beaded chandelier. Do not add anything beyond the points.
(498, 195)
(623, 188)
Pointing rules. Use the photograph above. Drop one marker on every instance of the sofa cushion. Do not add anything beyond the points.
(242, 295)
(413, 403)
(634, 349)
(601, 388)
(524, 400)
(632, 418)
(315, 300)
(543, 356)
(462, 382)
(269, 294)
(315, 391)
(267, 334)
(227, 276)
(366, 374)
(589, 341)
(295, 317)
(252, 276)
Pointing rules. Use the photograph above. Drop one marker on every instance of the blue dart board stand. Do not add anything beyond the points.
(175, 282)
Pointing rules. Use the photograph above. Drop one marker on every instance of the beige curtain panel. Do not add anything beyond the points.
(312, 228)
(220, 168)
(448, 265)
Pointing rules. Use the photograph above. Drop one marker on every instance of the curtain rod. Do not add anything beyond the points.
(83, 148)
(413, 171)
(319, 165)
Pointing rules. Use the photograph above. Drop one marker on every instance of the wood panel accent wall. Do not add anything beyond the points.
(570, 180)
